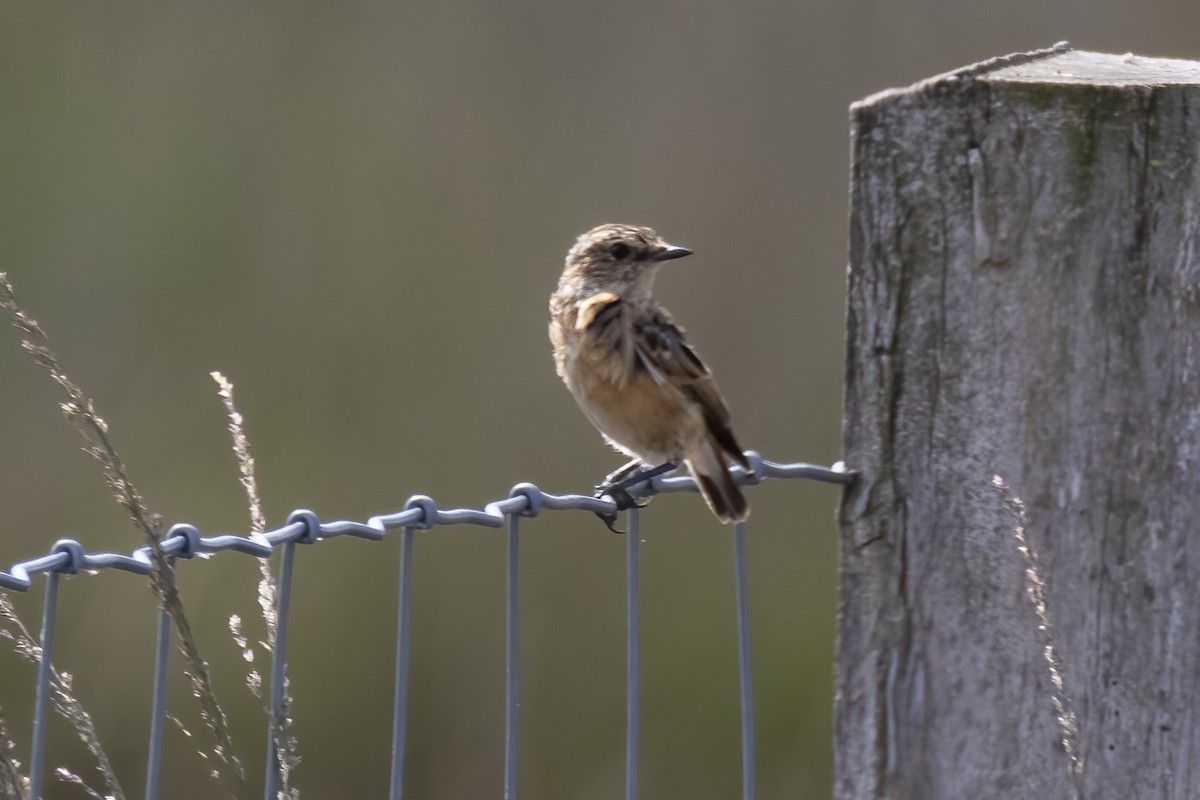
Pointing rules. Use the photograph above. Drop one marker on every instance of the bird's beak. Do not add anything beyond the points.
(670, 251)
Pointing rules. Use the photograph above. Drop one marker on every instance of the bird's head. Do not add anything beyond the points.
(620, 258)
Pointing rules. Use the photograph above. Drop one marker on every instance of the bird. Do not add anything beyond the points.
(634, 375)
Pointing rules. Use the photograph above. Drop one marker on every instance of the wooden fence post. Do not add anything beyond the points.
(1024, 302)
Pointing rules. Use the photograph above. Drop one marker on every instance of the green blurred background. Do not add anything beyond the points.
(357, 211)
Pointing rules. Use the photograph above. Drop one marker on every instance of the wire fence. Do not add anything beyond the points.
(420, 513)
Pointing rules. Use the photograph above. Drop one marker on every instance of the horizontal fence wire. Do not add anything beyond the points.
(183, 540)
(420, 512)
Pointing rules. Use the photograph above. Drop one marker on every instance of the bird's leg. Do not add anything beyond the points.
(617, 486)
(620, 474)
(645, 474)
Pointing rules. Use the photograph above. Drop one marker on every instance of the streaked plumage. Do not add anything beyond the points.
(629, 367)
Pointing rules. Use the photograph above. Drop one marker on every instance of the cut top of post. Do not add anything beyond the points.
(1105, 69)
(1059, 64)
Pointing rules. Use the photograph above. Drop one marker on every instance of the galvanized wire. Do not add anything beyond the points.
(403, 629)
(745, 675)
(184, 540)
(275, 722)
(633, 656)
(158, 711)
(512, 681)
(41, 703)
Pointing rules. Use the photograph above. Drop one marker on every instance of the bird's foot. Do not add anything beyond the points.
(624, 501)
(618, 491)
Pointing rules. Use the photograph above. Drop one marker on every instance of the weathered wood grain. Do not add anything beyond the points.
(1024, 301)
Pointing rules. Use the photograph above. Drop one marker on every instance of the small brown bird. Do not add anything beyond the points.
(627, 364)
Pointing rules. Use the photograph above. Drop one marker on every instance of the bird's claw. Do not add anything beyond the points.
(609, 518)
(623, 500)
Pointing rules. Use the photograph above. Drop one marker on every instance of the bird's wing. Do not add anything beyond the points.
(664, 353)
(669, 359)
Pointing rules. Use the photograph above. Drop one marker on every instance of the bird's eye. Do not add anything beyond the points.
(619, 251)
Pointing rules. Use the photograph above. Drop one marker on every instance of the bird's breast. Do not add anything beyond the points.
(636, 414)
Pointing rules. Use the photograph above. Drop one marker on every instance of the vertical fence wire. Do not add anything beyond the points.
(633, 687)
(283, 601)
(511, 659)
(400, 708)
(37, 756)
(741, 585)
(158, 710)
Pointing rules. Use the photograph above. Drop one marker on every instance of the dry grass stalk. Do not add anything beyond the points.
(1035, 591)
(241, 450)
(13, 785)
(66, 776)
(287, 755)
(65, 702)
(81, 412)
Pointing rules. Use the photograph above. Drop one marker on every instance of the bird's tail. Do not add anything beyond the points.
(711, 471)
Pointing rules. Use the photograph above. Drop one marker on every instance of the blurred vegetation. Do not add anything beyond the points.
(357, 211)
